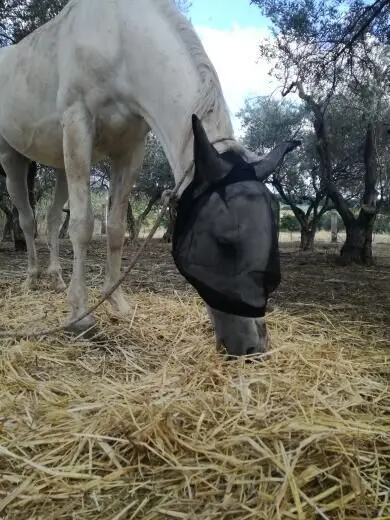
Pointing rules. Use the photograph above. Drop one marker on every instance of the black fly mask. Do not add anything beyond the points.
(225, 240)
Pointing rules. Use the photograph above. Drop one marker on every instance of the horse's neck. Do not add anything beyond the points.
(178, 65)
(178, 143)
(170, 119)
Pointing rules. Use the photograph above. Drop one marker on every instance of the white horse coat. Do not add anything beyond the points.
(89, 84)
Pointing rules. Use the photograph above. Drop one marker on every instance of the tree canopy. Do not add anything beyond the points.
(335, 56)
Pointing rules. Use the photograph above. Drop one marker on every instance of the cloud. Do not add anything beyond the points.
(235, 55)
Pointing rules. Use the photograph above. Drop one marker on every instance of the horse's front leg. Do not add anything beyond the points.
(77, 143)
(123, 175)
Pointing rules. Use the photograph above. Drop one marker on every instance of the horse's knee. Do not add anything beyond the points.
(54, 272)
(115, 234)
(33, 274)
(53, 219)
(81, 229)
(27, 223)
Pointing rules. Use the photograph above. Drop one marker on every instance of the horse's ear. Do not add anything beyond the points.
(274, 158)
(201, 142)
(209, 167)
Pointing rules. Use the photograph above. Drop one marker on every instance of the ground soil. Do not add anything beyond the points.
(311, 281)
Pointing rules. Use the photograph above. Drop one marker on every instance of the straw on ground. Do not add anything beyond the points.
(150, 423)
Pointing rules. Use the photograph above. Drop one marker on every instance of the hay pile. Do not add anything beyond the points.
(150, 423)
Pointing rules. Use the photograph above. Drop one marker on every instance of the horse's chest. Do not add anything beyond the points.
(115, 126)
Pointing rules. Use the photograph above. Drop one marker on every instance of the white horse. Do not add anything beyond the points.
(91, 83)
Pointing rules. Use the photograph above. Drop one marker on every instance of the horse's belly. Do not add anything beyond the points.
(36, 131)
(46, 146)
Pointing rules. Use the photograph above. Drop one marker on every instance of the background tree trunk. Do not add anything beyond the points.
(19, 240)
(131, 224)
(145, 213)
(308, 220)
(104, 218)
(358, 244)
(64, 231)
(333, 226)
(308, 234)
(357, 247)
(167, 237)
(8, 226)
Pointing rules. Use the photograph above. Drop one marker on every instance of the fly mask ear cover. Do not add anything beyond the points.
(213, 281)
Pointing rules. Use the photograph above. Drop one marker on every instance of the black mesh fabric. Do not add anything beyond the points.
(189, 206)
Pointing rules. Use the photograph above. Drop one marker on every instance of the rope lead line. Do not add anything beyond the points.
(54, 330)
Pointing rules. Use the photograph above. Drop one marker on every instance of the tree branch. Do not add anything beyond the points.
(300, 214)
(376, 8)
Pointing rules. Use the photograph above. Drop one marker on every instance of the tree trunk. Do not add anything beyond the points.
(357, 247)
(8, 226)
(358, 244)
(307, 237)
(145, 213)
(333, 227)
(19, 240)
(167, 237)
(7, 231)
(367, 256)
(131, 225)
(64, 233)
(308, 220)
(104, 219)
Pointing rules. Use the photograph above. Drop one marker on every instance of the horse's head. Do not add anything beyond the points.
(225, 240)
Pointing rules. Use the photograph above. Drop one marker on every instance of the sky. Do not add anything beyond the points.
(230, 31)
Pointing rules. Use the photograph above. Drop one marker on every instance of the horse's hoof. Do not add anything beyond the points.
(120, 306)
(60, 286)
(118, 303)
(56, 280)
(30, 284)
(85, 328)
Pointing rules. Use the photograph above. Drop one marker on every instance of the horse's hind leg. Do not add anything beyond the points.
(77, 143)
(54, 219)
(16, 168)
(123, 175)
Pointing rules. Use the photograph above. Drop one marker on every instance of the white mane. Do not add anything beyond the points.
(211, 99)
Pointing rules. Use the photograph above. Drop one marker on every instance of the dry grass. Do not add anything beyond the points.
(151, 423)
(325, 237)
